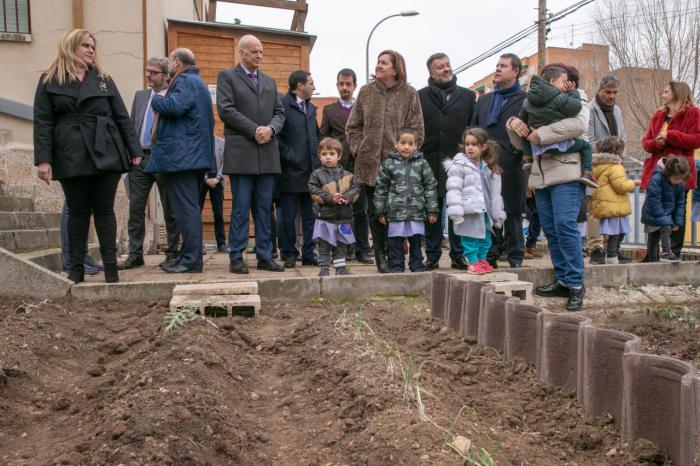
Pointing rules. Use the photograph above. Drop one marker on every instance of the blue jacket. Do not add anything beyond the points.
(696, 191)
(664, 203)
(185, 136)
(298, 145)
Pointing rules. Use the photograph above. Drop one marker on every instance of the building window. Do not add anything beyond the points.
(14, 17)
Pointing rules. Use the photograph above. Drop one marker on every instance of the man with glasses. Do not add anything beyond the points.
(138, 182)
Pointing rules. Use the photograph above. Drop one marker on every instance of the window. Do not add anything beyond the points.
(14, 17)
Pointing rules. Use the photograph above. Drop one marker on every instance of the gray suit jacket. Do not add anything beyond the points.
(138, 109)
(243, 108)
(598, 125)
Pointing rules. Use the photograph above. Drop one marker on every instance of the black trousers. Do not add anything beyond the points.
(139, 187)
(509, 239)
(678, 236)
(379, 231)
(360, 227)
(216, 198)
(86, 194)
(663, 235)
(433, 238)
(396, 255)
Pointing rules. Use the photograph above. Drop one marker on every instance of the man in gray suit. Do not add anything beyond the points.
(138, 182)
(252, 112)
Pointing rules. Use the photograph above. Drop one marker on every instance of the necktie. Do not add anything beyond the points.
(302, 106)
(253, 79)
(148, 127)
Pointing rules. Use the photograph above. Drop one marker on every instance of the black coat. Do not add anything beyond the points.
(510, 159)
(298, 146)
(83, 129)
(444, 126)
(333, 126)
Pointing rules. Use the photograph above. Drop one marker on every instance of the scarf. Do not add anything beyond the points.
(609, 113)
(156, 120)
(441, 90)
(500, 96)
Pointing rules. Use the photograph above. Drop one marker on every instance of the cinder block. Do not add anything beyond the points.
(516, 289)
(438, 295)
(659, 404)
(492, 320)
(209, 289)
(558, 348)
(218, 306)
(471, 306)
(600, 370)
(521, 331)
(455, 299)
(489, 277)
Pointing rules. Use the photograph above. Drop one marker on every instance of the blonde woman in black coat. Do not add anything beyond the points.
(84, 139)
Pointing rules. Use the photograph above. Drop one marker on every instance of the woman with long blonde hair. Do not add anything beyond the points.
(84, 139)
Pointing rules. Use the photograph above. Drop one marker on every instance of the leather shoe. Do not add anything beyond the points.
(312, 261)
(430, 265)
(382, 264)
(597, 257)
(460, 264)
(575, 302)
(222, 249)
(553, 290)
(270, 266)
(238, 266)
(290, 262)
(363, 258)
(177, 268)
(131, 262)
(623, 259)
(169, 262)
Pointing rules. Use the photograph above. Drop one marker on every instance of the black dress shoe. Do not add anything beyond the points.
(459, 264)
(382, 265)
(131, 262)
(180, 269)
(553, 290)
(222, 249)
(623, 260)
(313, 261)
(290, 262)
(238, 266)
(597, 257)
(270, 266)
(169, 261)
(430, 265)
(575, 302)
(363, 258)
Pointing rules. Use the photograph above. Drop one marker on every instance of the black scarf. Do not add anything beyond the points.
(609, 113)
(441, 90)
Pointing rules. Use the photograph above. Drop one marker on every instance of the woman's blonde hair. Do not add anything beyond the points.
(399, 65)
(682, 94)
(67, 65)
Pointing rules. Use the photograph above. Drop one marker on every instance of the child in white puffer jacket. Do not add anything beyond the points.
(474, 202)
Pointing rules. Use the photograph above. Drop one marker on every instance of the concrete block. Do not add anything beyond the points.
(517, 289)
(606, 275)
(438, 295)
(521, 331)
(492, 320)
(600, 370)
(558, 348)
(219, 305)
(208, 289)
(358, 286)
(659, 404)
(32, 240)
(127, 291)
(489, 277)
(29, 220)
(16, 204)
(295, 290)
(661, 273)
(471, 307)
(455, 300)
(535, 275)
(21, 277)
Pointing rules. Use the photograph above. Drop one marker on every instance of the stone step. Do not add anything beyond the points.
(30, 240)
(29, 220)
(16, 204)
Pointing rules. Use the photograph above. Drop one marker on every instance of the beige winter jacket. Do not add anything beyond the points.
(553, 169)
(379, 112)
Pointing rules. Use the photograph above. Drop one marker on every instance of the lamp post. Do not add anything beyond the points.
(403, 13)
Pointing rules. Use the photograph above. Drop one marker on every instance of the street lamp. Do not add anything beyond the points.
(403, 13)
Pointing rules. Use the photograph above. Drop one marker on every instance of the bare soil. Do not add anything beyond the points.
(321, 384)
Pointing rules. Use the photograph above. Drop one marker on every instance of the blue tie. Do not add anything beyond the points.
(150, 117)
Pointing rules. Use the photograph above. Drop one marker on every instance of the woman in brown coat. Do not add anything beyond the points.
(383, 106)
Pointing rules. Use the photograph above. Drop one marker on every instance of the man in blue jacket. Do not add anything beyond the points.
(183, 152)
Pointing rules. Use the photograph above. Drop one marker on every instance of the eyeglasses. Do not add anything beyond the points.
(151, 72)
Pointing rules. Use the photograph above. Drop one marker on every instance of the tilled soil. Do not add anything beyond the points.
(321, 384)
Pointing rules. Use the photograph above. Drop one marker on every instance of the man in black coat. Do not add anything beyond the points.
(447, 111)
(493, 111)
(299, 157)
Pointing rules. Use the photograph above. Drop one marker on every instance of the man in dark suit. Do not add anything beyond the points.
(335, 117)
(493, 110)
(447, 111)
(298, 142)
(138, 182)
(252, 112)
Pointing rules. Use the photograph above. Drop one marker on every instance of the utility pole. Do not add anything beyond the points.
(541, 34)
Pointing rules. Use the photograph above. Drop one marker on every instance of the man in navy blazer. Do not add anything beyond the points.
(299, 157)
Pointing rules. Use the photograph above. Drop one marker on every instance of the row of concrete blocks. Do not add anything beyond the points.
(650, 397)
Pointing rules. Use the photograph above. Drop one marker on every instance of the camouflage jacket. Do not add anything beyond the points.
(405, 189)
(325, 182)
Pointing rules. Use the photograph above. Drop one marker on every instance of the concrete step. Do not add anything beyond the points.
(16, 204)
(30, 240)
(29, 220)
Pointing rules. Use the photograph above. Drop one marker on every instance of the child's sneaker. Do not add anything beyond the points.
(485, 265)
(324, 272)
(669, 257)
(476, 269)
(342, 271)
(587, 179)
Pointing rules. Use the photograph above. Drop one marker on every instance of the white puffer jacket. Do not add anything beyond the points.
(472, 192)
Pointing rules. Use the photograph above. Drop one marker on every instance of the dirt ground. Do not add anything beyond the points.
(321, 384)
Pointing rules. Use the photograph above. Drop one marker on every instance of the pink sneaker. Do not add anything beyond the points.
(485, 265)
(476, 269)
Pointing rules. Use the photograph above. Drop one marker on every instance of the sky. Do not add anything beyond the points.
(462, 29)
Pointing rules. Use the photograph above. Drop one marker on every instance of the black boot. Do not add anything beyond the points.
(111, 273)
(382, 264)
(575, 302)
(77, 273)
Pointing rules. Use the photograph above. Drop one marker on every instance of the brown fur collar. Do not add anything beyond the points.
(606, 157)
